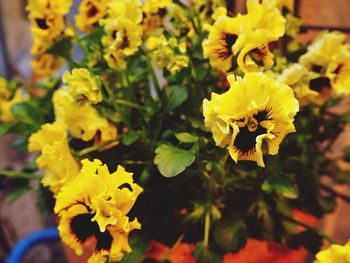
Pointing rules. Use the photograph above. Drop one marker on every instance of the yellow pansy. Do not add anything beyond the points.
(180, 21)
(82, 86)
(334, 254)
(299, 78)
(124, 9)
(46, 65)
(84, 121)
(265, 20)
(221, 41)
(6, 106)
(4, 91)
(329, 59)
(256, 108)
(123, 39)
(55, 158)
(47, 21)
(246, 36)
(90, 12)
(94, 206)
(168, 53)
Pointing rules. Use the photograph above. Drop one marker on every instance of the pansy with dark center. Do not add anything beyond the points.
(256, 109)
(83, 228)
(226, 50)
(246, 138)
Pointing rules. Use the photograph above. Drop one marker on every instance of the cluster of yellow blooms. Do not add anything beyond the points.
(244, 39)
(259, 107)
(123, 31)
(168, 53)
(47, 20)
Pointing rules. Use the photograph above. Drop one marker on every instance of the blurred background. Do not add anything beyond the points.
(20, 216)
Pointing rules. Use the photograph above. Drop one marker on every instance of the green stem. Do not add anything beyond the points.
(321, 233)
(19, 174)
(206, 229)
(128, 103)
(154, 78)
(93, 148)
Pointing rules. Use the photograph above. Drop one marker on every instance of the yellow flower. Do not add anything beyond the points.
(168, 53)
(122, 40)
(256, 108)
(94, 206)
(90, 12)
(265, 20)
(329, 59)
(6, 106)
(246, 36)
(47, 21)
(82, 86)
(55, 158)
(334, 254)
(46, 65)
(4, 91)
(84, 121)
(289, 4)
(207, 8)
(124, 9)
(222, 38)
(298, 77)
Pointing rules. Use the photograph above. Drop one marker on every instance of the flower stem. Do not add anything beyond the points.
(319, 232)
(16, 174)
(128, 103)
(206, 229)
(93, 148)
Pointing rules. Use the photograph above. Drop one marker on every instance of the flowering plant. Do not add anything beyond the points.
(207, 129)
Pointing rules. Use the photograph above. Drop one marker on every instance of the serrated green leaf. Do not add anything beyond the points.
(186, 137)
(172, 160)
(230, 236)
(177, 96)
(281, 183)
(130, 137)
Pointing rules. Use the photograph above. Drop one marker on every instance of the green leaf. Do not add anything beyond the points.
(27, 113)
(172, 160)
(5, 128)
(186, 137)
(230, 236)
(130, 137)
(281, 183)
(177, 96)
(204, 255)
(61, 48)
(139, 246)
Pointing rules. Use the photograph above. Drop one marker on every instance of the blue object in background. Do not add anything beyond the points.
(25, 244)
